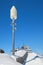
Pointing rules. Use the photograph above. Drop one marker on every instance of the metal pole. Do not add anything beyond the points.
(13, 39)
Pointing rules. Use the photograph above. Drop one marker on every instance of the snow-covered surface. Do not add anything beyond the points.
(34, 62)
(5, 59)
(20, 53)
(14, 57)
(33, 59)
(31, 56)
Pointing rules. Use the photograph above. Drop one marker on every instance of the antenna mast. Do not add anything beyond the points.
(13, 16)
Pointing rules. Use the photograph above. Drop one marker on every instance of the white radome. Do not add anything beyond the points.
(13, 13)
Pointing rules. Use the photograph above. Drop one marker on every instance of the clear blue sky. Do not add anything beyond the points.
(29, 24)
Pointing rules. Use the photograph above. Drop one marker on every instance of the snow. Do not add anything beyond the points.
(30, 56)
(35, 62)
(14, 57)
(20, 53)
(33, 59)
(5, 59)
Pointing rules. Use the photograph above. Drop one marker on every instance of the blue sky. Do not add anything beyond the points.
(29, 24)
